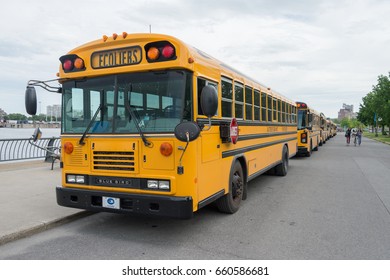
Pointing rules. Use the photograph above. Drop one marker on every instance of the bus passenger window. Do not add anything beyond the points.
(275, 110)
(269, 103)
(263, 107)
(227, 98)
(201, 84)
(248, 103)
(256, 105)
(239, 101)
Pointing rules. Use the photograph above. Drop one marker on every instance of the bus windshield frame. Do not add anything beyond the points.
(159, 101)
(302, 119)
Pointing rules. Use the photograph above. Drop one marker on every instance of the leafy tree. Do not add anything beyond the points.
(367, 109)
(345, 122)
(39, 118)
(17, 117)
(377, 103)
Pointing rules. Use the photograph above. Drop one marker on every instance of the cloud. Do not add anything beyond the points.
(323, 52)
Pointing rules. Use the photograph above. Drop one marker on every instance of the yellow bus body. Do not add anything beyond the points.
(115, 165)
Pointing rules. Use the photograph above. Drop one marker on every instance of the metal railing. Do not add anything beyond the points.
(22, 149)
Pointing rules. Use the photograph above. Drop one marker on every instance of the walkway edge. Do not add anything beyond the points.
(43, 227)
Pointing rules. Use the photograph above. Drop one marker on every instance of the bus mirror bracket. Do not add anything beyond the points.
(209, 102)
(185, 132)
(37, 134)
(31, 94)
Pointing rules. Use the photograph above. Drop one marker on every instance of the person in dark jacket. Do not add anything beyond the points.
(348, 135)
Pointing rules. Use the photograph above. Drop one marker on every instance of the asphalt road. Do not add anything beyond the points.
(334, 205)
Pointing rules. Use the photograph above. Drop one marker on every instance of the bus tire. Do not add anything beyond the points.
(282, 168)
(309, 151)
(231, 201)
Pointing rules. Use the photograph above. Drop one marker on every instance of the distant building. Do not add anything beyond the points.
(346, 112)
(53, 112)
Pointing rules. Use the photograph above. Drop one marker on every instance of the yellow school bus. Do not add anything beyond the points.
(151, 125)
(309, 130)
(333, 128)
(324, 129)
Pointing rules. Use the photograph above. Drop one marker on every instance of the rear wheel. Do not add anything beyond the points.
(308, 153)
(231, 201)
(282, 168)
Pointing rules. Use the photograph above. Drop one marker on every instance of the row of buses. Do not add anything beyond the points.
(314, 129)
(153, 126)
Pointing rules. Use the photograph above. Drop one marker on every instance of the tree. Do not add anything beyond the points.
(17, 117)
(345, 122)
(367, 110)
(376, 104)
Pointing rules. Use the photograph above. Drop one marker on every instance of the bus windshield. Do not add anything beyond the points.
(302, 119)
(156, 102)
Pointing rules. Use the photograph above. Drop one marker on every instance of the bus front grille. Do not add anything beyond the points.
(114, 160)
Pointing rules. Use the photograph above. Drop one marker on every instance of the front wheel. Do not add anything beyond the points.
(231, 201)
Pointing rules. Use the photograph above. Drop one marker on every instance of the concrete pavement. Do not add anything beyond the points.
(28, 201)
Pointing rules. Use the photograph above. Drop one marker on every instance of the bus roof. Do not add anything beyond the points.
(116, 48)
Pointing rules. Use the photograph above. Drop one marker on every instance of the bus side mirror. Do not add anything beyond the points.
(187, 131)
(31, 100)
(209, 101)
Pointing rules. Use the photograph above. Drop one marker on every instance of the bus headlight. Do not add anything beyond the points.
(158, 185)
(152, 184)
(163, 185)
(75, 179)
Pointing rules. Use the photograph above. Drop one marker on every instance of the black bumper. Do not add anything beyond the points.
(302, 151)
(151, 205)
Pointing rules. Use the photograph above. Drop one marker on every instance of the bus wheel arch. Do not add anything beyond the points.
(231, 201)
(282, 168)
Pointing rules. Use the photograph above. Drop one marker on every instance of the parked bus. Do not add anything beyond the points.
(309, 130)
(324, 129)
(333, 128)
(151, 125)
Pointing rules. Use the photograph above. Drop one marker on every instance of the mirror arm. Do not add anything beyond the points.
(207, 127)
(45, 85)
(180, 168)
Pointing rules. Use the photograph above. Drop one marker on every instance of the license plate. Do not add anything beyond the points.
(111, 202)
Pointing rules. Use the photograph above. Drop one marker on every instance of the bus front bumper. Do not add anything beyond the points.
(151, 205)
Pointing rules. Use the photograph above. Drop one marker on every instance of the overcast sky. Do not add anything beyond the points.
(324, 53)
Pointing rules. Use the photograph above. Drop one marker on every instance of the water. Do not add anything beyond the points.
(25, 133)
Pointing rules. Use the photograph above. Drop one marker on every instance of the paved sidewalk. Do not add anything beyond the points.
(28, 201)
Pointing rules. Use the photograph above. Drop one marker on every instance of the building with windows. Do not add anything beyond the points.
(346, 112)
(53, 113)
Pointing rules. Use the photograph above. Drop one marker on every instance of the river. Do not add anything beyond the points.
(25, 133)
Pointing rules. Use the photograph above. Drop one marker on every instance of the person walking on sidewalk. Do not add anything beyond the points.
(348, 135)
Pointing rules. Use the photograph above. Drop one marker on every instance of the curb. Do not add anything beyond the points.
(43, 227)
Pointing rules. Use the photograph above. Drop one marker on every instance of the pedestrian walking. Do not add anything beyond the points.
(359, 135)
(348, 135)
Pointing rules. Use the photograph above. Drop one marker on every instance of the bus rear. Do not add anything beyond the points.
(308, 130)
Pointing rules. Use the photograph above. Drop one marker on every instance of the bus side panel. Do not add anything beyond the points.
(210, 175)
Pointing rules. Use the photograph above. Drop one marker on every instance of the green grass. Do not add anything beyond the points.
(380, 137)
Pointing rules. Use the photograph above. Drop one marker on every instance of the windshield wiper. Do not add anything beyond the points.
(135, 119)
(81, 141)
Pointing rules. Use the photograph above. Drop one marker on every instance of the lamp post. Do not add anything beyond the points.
(376, 125)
